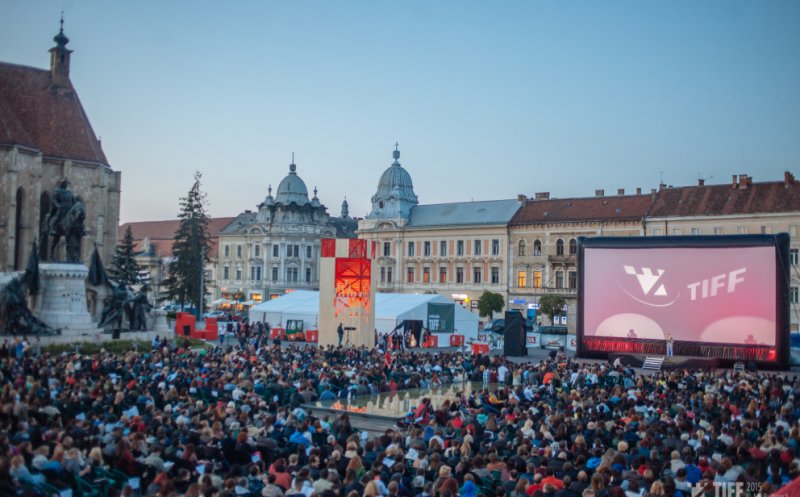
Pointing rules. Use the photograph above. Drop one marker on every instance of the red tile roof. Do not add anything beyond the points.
(162, 233)
(720, 200)
(51, 120)
(587, 209)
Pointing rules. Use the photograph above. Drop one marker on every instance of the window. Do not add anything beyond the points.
(522, 277)
(766, 230)
(793, 256)
(521, 248)
(495, 276)
(258, 273)
(308, 275)
(459, 275)
(537, 247)
(276, 251)
(560, 247)
(793, 295)
(227, 250)
(226, 273)
(295, 250)
(443, 248)
(387, 249)
(238, 274)
(657, 232)
(292, 274)
(573, 280)
(717, 230)
(742, 230)
(274, 274)
(695, 231)
(676, 231)
(426, 248)
(388, 275)
(476, 274)
(573, 246)
(793, 230)
(495, 247)
(308, 251)
(460, 247)
(256, 250)
(478, 245)
(559, 279)
(410, 275)
(252, 273)
(383, 275)
(411, 249)
(239, 251)
(537, 279)
(426, 275)
(443, 275)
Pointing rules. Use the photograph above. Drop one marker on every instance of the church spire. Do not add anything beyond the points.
(59, 58)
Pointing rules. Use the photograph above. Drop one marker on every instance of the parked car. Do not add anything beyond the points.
(214, 314)
(495, 326)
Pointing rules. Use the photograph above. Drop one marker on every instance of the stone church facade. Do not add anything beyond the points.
(45, 137)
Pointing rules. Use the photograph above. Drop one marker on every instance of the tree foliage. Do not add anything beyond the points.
(124, 268)
(551, 305)
(489, 303)
(190, 249)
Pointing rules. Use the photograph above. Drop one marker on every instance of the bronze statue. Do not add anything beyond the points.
(114, 306)
(138, 310)
(15, 315)
(66, 219)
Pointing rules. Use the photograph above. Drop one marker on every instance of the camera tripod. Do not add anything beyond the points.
(347, 342)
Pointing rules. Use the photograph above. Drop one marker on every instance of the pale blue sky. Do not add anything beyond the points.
(487, 99)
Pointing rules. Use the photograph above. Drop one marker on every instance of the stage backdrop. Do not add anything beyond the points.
(347, 291)
(441, 318)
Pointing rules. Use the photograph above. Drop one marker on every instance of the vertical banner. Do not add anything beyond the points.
(441, 318)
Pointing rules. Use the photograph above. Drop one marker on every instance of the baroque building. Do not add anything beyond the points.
(458, 250)
(45, 137)
(275, 249)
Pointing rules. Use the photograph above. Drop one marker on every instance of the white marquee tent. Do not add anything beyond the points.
(391, 309)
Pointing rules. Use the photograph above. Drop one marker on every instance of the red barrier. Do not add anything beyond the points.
(456, 340)
(183, 319)
(277, 333)
(431, 342)
(480, 348)
(312, 335)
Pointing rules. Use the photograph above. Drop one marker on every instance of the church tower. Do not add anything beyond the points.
(59, 59)
(395, 196)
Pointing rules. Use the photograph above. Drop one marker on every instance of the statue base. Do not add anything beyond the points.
(159, 318)
(62, 299)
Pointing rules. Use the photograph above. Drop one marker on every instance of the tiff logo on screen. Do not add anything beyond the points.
(647, 279)
(711, 287)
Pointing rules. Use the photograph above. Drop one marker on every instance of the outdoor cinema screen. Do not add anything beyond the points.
(708, 290)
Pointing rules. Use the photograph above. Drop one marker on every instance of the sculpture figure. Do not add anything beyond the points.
(66, 219)
(139, 307)
(15, 315)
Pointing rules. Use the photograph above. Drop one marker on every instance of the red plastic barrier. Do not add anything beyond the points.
(183, 319)
(277, 333)
(431, 342)
(312, 335)
(456, 340)
(480, 348)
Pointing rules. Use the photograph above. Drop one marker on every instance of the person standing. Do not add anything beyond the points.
(340, 332)
(669, 344)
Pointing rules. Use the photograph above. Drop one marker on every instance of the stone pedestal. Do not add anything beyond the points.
(159, 321)
(62, 299)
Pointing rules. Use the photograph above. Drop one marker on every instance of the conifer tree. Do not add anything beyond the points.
(124, 268)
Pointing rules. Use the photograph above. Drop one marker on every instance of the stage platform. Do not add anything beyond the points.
(670, 362)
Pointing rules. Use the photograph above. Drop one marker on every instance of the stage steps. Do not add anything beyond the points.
(653, 363)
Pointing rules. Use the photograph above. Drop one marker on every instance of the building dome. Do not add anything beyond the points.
(292, 189)
(395, 195)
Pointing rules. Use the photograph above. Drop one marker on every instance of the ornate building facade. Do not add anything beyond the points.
(276, 249)
(45, 137)
(458, 250)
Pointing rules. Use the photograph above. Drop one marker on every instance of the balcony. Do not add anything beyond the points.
(566, 260)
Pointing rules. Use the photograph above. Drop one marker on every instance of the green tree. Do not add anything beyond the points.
(489, 303)
(551, 305)
(189, 249)
(124, 268)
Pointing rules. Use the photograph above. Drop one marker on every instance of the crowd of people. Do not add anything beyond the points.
(234, 421)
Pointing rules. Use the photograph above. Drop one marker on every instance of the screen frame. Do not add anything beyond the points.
(779, 242)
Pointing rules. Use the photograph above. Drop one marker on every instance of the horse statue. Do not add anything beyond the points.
(66, 219)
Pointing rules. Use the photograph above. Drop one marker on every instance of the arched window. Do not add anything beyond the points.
(537, 247)
(18, 242)
(521, 251)
(573, 246)
(560, 247)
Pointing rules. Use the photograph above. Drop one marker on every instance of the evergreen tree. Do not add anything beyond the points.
(190, 249)
(124, 268)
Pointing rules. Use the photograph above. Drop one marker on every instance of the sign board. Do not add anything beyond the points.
(441, 318)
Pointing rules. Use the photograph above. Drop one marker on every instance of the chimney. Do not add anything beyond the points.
(734, 181)
(701, 182)
(542, 195)
(522, 198)
(652, 191)
(620, 191)
(599, 193)
(788, 178)
(638, 191)
(743, 181)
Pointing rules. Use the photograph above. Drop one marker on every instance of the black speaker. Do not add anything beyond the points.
(514, 334)
(187, 330)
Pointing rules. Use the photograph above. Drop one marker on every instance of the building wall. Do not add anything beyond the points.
(37, 176)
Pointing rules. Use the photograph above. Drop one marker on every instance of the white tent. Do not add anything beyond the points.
(391, 309)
